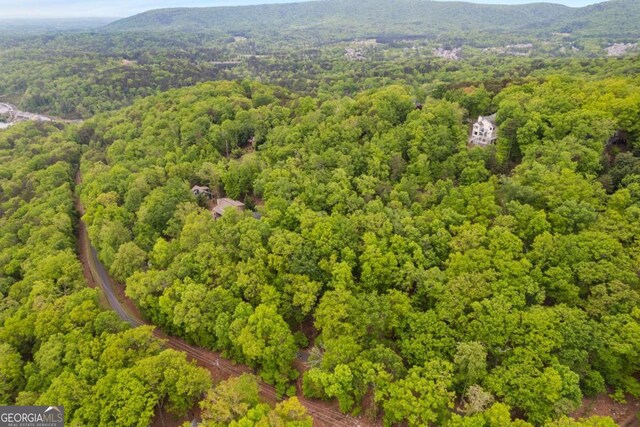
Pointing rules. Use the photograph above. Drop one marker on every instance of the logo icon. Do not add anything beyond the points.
(31, 416)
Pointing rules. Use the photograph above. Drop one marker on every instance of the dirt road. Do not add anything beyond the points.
(325, 414)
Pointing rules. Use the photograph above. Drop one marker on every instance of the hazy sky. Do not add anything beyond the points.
(121, 8)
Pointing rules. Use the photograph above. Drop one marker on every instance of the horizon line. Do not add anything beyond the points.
(99, 16)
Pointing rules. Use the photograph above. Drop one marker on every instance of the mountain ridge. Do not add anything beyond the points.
(362, 18)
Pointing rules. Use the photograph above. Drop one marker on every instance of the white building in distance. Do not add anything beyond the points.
(484, 131)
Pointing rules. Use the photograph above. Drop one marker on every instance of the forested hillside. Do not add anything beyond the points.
(57, 346)
(614, 17)
(347, 18)
(335, 47)
(422, 274)
(375, 18)
(381, 262)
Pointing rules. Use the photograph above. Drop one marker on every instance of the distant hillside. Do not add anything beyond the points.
(613, 18)
(39, 26)
(337, 19)
(348, 18)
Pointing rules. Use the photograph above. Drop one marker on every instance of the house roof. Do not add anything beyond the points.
(222, 204)
(199, 188)
(487, 120)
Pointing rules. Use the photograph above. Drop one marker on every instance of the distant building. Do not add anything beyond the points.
(451, 54)
(619, 49)
(354, 54)
(222, 204)
(198, 191)
(484, 131)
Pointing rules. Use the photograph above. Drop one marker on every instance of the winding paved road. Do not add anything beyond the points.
(325, 414)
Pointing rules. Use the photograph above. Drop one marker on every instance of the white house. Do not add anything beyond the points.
(484, 131)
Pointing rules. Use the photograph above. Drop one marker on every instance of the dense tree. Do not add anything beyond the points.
(58, 345)
(10, 373)
(422, 397)
(371, 227)
(235, 402)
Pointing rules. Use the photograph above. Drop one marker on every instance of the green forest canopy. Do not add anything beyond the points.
(423, 275)
(56, 343)
(427, 271)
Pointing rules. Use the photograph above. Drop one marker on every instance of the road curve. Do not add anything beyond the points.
(16, 115)
(324, 413)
